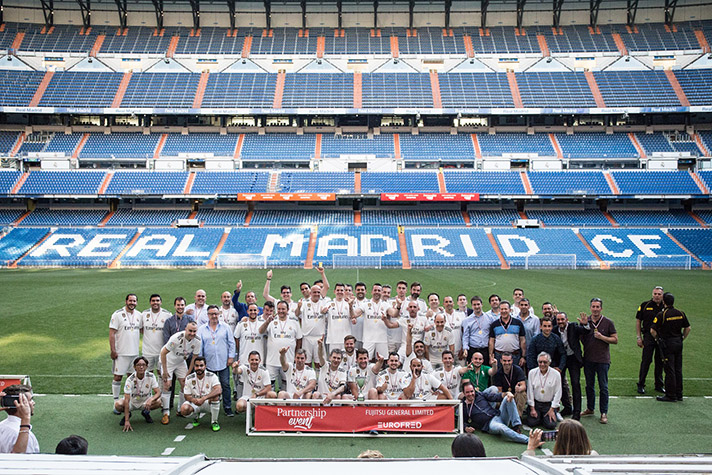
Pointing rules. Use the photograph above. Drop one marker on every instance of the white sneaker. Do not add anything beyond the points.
(559, 417)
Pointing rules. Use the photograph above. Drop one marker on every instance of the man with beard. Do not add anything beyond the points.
(375, 323)
(198, 310)
(511, 378)
(423, 386)
(453, 321)
(493, 312)
(228, 314)
(390, 381)
(285, 292)
(418, 325)
(450, 374)
(202, 395)
(124, 338)
(479, 413)
(416, 350)
(478, 373)
(282, 332)
(570, 334)
(153, 320)
(348, 360)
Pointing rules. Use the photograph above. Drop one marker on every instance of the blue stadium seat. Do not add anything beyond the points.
(9, 216)
(64, 217)
(484, 217)
(596, 145)
(412, 218)
(301, 218)
(516, 244)
(569, 182)
(218, 145)
(17, 242)
(81, 89)
(8, 179)
(655, 183)
(239, 90)
(396, 90)
(316, 182)
(475, 90)
(648, 218)
(356, 243)
(283, 247)
(62, 183)
(697, 241)
(697, 85)
(229, 183)
(146, 217)
(161, 90)
(569, 217)
(399, 182)
(357, 144)
(120, 145)
(312, 90)
(222, 217)
(79, 247)
(18, 88)
(268, 147)
(635, 88)
(147, 183)
(484, 182)
(449, 247)
(443, 147)
(497, 144)
(182, 247)
(555, 89)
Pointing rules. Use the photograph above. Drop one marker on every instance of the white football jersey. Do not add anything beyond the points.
(200, 387)
(181, 349)
(298, 380)
(140, 389)
(329, 380)
(338, 322)
(248, 334)
(253, 382)
(394, 383)
(128, 331)
(153, 331)
(281, 334)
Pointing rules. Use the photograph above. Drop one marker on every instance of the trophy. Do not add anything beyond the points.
(361, 382)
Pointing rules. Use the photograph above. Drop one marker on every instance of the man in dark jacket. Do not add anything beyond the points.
(570, 334)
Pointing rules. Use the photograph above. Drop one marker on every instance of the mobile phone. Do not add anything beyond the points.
(9, 400)
(549, 435)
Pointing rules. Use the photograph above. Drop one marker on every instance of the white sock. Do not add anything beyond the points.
(166, 402)
(214, 411)
(181, 400)
(116, 389)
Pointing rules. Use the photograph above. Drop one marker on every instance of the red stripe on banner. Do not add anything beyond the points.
(354, 419)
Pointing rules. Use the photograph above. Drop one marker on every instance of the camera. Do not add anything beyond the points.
(9, 401)
(549, 435)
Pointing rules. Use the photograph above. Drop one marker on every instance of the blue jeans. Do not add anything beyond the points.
(596, 370)
(508, 416)
(224, 377)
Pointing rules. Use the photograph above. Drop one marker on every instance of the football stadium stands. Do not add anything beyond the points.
(301, 218)
(319, 182)
(597, 218)
(64, 217)
(229, 183)
(393, 182)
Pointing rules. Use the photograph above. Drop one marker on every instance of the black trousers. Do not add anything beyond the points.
(541, 418)
(673, 367)
(573, 367)
(650, 351)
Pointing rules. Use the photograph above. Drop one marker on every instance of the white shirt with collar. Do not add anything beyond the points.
(9, 430)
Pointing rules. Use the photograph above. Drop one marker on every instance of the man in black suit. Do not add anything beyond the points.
(570, 334)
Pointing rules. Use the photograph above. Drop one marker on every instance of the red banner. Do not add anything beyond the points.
(286, 197)
(430, 197)
(354, 418)
(6, 381)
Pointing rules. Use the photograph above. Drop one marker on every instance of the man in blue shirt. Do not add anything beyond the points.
(218, 349)
(475, 331)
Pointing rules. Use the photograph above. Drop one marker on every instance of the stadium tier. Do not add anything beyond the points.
(377, 90)
(412, 218)
(350, 246)
(286, 41)
(645, 218)
(301, 218)
(146, 217)
(221, 217)
(558, 217)
(64, 217)
(39, 183)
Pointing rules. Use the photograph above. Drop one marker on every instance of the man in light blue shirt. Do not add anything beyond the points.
(218, 349)
(532, 324)
(475, 331)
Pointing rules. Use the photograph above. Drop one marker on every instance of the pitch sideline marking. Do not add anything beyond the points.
(168, 451)
(179, 438)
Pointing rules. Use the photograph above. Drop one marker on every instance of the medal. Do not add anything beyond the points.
(480, 332)
(469, 421)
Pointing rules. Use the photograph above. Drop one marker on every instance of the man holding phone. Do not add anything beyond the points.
(16, 435)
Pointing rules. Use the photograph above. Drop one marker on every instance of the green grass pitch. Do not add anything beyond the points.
(55, 328)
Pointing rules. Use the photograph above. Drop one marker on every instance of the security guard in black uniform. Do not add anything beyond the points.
(643, 319)
(670, 327)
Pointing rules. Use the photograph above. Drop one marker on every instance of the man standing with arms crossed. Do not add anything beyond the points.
(671, 326)
(124, 338)
(647, 311)
(218, 349)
